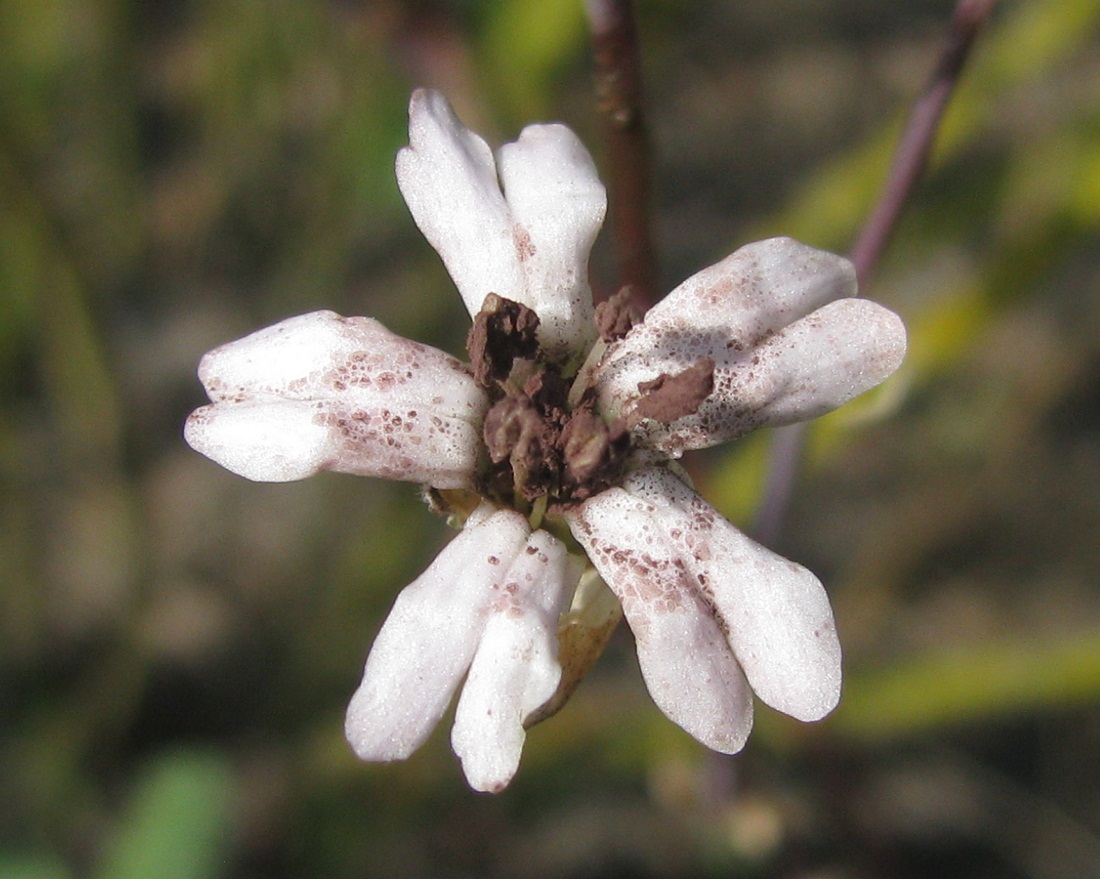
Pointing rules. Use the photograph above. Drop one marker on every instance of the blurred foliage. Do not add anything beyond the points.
(177, 645)
(174, 825)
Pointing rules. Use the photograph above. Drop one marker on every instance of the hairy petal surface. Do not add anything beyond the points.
(775, 613)
(811, 367)
(742, 314)
(324, 392)
(431, 636)
(515, 669)
(756, 290)
(448, 177)
(686, 661)
(526, 235)
(558, 206)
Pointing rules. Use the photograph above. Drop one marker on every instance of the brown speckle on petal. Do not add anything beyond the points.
(669, 397)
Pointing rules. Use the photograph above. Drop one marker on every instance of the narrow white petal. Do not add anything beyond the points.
(812, 367)
(725, 309)
(515, 669)
(289, 357)
(557, 204)
(775, 613)
(756, 290)
(269, 441)
(782, 349)
(688, 666)
(324, 392)
(583, 632)
(430, 637)
(449, 180)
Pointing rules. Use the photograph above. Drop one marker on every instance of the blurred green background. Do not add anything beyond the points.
(177, 645)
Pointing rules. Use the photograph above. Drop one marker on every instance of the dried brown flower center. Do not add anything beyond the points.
(545, 439)
(538, 445)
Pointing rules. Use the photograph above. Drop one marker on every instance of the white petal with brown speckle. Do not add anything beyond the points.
(781, 351)
(325, 392)
(706, 603)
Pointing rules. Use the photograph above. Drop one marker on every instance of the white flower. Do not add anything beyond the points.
(547, 463)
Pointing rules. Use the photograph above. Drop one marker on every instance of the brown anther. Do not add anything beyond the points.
(548, 390)
(592, 451)
(503, 332)
(516, 432)
(615, 316)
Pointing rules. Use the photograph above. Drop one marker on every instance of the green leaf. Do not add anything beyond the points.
(174, 827)
(32, 868)
(976, 681)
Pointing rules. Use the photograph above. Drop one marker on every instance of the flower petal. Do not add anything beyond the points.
(324, 392)
(735, 314)
(729, 306)
(754, 291)
(812, 367)
(583, 633)
(525, 236)
(775, 613)
(448, 177)
(430, 638)
(264, 441)
(687, 664)
(558, 205)
(515, 669)
(809, 368)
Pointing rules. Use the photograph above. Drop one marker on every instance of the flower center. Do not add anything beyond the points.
(542, 441)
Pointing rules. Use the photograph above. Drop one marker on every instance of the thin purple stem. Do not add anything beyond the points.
(619, 90)
(909, 165)
(784, 460)
(911, 158)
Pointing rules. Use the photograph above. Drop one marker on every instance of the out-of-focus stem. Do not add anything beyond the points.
(785, 458)
(619, 91)
(910, 162)
(912, 154)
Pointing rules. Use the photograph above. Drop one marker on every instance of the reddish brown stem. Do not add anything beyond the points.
(619, 91)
